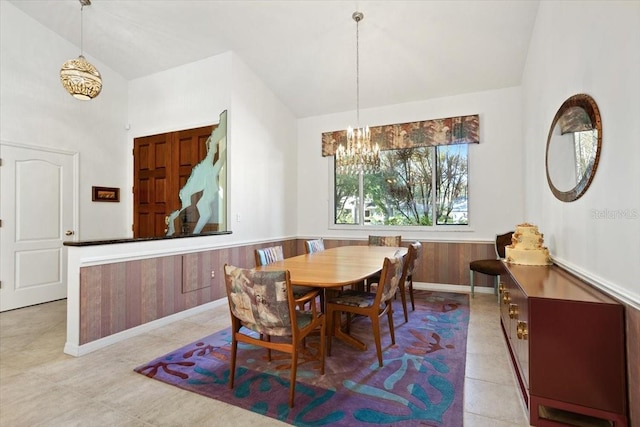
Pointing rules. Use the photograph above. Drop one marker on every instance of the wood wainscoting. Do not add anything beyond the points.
(442, 262)
(118, 296)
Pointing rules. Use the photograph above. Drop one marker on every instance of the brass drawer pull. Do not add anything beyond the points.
(522, 331)
(500, 287)
(513, 311)
(505, 297)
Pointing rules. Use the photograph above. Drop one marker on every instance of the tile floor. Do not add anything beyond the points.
(42, 386)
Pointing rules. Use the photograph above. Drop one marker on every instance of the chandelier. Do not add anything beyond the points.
(78, 76)
(359, 155)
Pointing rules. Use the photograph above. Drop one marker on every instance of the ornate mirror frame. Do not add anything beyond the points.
(571, 123)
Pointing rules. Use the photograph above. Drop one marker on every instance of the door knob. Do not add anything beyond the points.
(68, 233)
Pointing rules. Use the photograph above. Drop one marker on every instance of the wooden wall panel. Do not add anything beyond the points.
(119, 296)
(442, 262)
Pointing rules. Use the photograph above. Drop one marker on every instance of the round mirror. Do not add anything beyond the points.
(573, 147)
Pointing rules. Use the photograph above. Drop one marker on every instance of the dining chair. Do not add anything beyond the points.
(385, 240)
(373, 305)
(263, 302)
(416, 247)
(492, 267)
(272, 254)
(381, 241)
(268, 255)
(413, 254)
(313, 246)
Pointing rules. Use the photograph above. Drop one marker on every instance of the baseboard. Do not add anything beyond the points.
(451, 288)
(80, 350)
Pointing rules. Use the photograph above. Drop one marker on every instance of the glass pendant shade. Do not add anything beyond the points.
(81, 79)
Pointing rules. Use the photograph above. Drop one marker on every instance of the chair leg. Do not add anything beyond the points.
(323, 337)
(496, 281)
(234, 350)
(269, 350)
(403, 297)
(375, 323)
(294, 370)
(330, 325)
(391, 329)
(413, 304)
(471, 277)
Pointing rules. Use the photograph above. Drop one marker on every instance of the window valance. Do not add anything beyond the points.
(452, 130)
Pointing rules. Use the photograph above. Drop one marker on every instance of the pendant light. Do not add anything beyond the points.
(78, 76)
(359, 156)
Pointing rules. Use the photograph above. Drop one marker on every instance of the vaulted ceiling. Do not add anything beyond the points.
(305, 50)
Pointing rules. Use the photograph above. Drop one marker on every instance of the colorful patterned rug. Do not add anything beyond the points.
(421, 383)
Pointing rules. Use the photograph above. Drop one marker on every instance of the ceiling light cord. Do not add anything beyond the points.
(81, 30)
(357, 17)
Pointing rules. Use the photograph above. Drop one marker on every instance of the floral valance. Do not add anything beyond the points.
(452, 130)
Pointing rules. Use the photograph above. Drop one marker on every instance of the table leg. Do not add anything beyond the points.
(349, 339)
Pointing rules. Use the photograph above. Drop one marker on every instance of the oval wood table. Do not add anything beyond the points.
(335, 268)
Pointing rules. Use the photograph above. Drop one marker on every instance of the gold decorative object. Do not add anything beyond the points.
(78, 76)
(359, 156)
(513, 311)
(522, 331)
(505, 297)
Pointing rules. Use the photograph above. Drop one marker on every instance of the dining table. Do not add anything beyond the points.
(335, 268)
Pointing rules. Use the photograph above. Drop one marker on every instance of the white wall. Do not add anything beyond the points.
(263, 154)
(496, 201)
(261, 138)
(594, 48)
(35, 110)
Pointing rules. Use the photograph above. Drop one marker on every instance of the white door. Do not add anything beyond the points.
(37, 212)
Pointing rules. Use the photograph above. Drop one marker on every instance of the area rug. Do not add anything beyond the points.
(421, 383)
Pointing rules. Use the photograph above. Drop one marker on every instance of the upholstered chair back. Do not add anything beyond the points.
(266, 256)
(260, 300)
(385, 240)
(502, 241)
(392, 272)
(313, 246)
(413, 255)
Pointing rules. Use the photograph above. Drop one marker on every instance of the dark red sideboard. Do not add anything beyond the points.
(567, 345)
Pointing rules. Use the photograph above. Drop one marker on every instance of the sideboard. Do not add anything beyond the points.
(567, 345)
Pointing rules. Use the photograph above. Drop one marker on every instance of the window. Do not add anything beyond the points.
(419, 186)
